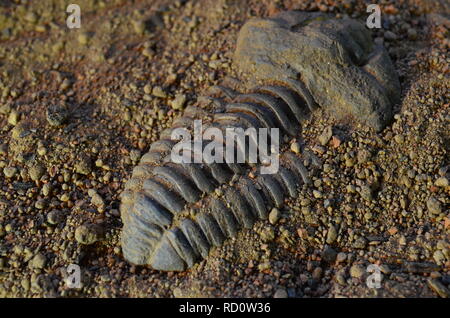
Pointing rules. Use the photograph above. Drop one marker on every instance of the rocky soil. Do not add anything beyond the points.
(78, 108)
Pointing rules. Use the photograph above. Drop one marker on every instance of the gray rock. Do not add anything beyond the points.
(420, 268)
(412, 34)
(346, 73)
(363, 155)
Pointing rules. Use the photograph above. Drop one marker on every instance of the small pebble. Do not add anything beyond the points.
(9, 172)
(274, 216)
(281, 293)
(38, 261)
(83, 165)
(331, 234)
(325, 137)
(357, 271)
(434, 206)
(83, 38)
(441, 182)
(341, 257)
(55, 217)
(179, 101)
(295, 147)
(390, 36)
(317, 194)
(13, 118)
(158, 92)
(329, 255)
(56, 115)
(36, 172)
(88, 234)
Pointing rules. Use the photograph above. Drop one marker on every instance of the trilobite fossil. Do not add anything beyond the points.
(173, 213)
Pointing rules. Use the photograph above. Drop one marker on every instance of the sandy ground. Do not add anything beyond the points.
(78, 108)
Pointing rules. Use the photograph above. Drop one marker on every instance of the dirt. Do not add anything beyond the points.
(78, 109)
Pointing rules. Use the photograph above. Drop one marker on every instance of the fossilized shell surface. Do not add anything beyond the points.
(172, 213)
(346, 73)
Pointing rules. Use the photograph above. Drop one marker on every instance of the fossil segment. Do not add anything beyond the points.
(162, 195)
(174, 213)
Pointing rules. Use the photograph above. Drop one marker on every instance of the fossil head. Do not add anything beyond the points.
(345, 72)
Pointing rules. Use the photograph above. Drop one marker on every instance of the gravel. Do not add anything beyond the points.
(377, 198)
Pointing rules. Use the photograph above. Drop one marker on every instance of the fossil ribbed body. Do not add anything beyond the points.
(174, 213)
